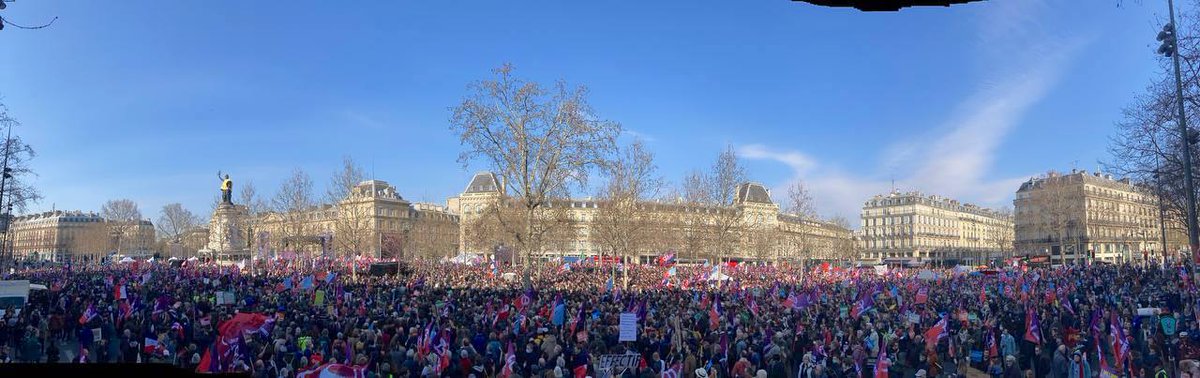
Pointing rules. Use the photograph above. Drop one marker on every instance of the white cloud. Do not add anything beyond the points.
(955, 159)
(800, 163)
(639, 135)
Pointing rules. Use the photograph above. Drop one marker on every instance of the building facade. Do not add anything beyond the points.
(71, 235)
(374, 220)
(913, 227)
(751, 229)
(1081, 216)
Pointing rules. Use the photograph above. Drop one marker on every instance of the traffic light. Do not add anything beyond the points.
(1167, 37)
(7, 170)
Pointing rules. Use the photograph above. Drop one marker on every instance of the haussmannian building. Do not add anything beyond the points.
(373, 218)
(64, 236)
(759, 231)
(1081, 216)
(908, 228)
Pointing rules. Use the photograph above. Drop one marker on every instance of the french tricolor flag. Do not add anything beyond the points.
(119, 292)
(88, 315)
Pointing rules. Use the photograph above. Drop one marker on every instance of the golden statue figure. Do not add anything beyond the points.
(226, 188)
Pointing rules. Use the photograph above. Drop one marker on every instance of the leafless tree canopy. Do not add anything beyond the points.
(716, 231)
(344, 180)
(1001, 237)
(541, 141)
(294, 196)
(800, 201)
(122, 218)
(622, 225)
(353, 231)
(250, 198)
(1147, 144)
(174, 220)
(727, 173)
(17, 191)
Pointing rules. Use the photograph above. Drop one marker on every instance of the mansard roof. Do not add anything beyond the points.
(483, 182)
(753, 192)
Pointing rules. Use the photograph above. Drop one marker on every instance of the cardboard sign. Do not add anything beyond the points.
(619, 361)
(629, 331)
(96, 335)
(225, 298)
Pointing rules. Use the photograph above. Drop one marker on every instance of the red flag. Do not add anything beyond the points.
(935, 333)
(1033, 330)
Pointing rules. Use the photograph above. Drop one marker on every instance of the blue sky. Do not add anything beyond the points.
(148, 99)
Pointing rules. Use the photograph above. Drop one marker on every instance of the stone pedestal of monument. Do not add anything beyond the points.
(225, 233)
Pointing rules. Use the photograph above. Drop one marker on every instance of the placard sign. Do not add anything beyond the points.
(618, 363)
(629, 331)
(225, 298)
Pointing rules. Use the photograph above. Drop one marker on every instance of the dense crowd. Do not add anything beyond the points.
(283, 319)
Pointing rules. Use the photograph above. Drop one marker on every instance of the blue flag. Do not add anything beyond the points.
(329, 277)
(307, 283)
(287, 282)
(560, 312)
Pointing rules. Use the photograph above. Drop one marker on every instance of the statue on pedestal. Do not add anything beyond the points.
(226, 188)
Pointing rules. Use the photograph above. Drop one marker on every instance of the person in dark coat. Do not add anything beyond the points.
(52, 352)
(1041, 363)
(1060, 364)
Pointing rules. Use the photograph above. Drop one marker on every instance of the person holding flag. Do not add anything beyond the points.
(1033, 328)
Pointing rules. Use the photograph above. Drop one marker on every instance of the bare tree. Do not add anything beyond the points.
(800, 201)
(623, 223)
(255, 207)
(539, 140)
(18, 191)
(725, 175)
(1000, 235)
(1147, 145)
(1054, 214)
(844, 248)
(292, 204)
(122, 218)
(174, 220)
(343, 181)
(353, 229)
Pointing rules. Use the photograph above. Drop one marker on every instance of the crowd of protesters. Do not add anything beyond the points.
(555, 320)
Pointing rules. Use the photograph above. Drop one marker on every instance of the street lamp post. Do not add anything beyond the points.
(1162, 210)
(1170, 48)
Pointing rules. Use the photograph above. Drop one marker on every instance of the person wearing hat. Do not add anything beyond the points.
(1079, 366)
(920, 373)
(701, 373)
